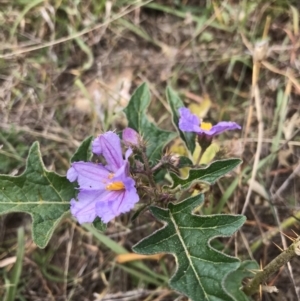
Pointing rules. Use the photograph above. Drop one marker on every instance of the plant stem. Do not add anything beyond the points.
(157, 166)
(272, 267)
(199, 157)
(148, 170)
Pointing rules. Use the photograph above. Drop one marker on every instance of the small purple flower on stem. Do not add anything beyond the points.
(189, 122)
(130, 137)
(107, 190)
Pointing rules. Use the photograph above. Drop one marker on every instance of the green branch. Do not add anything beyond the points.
(261, 277)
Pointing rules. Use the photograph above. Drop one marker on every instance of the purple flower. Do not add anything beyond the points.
(189, 122)
(107, 190)
(130, 137)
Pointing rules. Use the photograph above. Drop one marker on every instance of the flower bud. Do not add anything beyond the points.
(130, 137)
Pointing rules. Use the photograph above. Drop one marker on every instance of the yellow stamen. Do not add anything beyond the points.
(206, 126)
(111, 175)
(115, 186)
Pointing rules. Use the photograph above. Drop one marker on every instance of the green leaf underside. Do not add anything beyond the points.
(233, 281)
(42, 194)
(175, 104)
(83, 153)
(137, 120)
(201, 270)
(209, 174)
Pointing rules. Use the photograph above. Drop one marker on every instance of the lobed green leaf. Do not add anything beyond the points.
(42, 194)
(233, 282)
(184, 162)
(83, 152)
(208, 175)
(201, 270)
(137, 120)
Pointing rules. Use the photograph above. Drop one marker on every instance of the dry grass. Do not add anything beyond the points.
(66, 72)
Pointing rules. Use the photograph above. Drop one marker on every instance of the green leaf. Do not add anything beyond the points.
(175, 104)
(137, 120)
(42, 194)
(201, 270)
(234, 280)
(184, 162)
(208, 175)
(99, 225)
(83, 152)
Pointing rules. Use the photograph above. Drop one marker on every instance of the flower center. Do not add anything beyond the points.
(206, 126)
(118, 185)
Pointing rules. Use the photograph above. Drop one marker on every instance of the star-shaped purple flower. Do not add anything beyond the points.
(189, 122)
(107, 190)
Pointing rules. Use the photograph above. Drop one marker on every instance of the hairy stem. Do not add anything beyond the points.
(262, 276)
(148, 170)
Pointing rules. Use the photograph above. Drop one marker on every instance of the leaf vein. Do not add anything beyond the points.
(187, 254)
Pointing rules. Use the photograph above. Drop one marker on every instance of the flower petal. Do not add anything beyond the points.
(109, 145)
(88, 175)
(106, 191)
(188, 122)
(84, 209)
(72, 174)
(117, 202)
(128, 153)
(222, 127)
